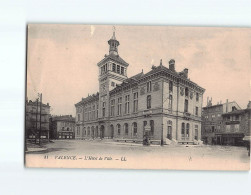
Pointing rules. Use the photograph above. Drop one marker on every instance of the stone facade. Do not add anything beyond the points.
(163, 104)
(33, 125)
(62, 127)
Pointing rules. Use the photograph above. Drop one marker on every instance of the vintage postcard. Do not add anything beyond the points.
(138, 97)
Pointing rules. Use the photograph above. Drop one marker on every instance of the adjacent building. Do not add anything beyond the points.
(62, 127)
(37, 122)
(236, 125)
(163, 103)
(225, 124)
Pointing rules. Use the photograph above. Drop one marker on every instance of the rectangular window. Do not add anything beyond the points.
(197, 97)
(236, 127)
(118, 69)
(183, 129)
(122, 70)
(93, 112)
(105, 67)
(149, 101)
(97, 111)
(112, 84)
(196, 132)
(78, 130)
(170, 86)
(149, 86)
(112, 107)
(186, 106)
(170, 105)
(196, 111)
(135, 102)
(114, 67)
(103, 110)
(127, 105)
(213, 129)
(78, 117)
(152, 127)
(119, 105)
(89, 113)
(227, 128)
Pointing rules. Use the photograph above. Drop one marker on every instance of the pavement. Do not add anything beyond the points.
(188, 157)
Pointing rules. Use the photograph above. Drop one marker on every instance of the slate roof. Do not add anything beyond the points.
(89, 98)
(63, 118)
(116, 58)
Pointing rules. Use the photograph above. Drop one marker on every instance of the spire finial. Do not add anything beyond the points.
(113, 34)
(160, 62)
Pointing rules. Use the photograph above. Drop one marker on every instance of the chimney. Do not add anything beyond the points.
(207, 100)
(172, 65)
(227, 106)
(186, 72)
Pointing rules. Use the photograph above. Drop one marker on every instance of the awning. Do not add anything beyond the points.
(230, 134)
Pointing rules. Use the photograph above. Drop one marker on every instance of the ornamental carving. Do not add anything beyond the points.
(142, 91)
(181, 91)
(191, 95)
(156, 86)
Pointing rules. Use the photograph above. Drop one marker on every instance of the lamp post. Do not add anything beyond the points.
(36, 122)
(40, 96)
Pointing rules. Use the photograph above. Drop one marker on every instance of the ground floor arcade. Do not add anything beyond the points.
(160, 127)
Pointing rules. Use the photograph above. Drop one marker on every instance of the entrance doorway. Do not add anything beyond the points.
(102, 131)
(112, 131)
(169, 132)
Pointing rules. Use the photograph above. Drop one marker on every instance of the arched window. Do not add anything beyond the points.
(92, 132)
(135, 129)
(187, 130)
(183, 129)
(152, 127)
(68, 129)
(169, 129)
(88, 131)
(126, 128)
(118, 128)
(112, 131)
(149, 101)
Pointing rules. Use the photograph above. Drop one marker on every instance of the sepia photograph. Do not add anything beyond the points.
(137, 97)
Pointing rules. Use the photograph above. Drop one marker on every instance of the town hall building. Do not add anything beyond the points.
(163, 104)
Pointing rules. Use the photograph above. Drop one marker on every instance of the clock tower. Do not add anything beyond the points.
(112, 71)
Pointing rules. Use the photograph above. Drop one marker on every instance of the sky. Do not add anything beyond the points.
(62, 59)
